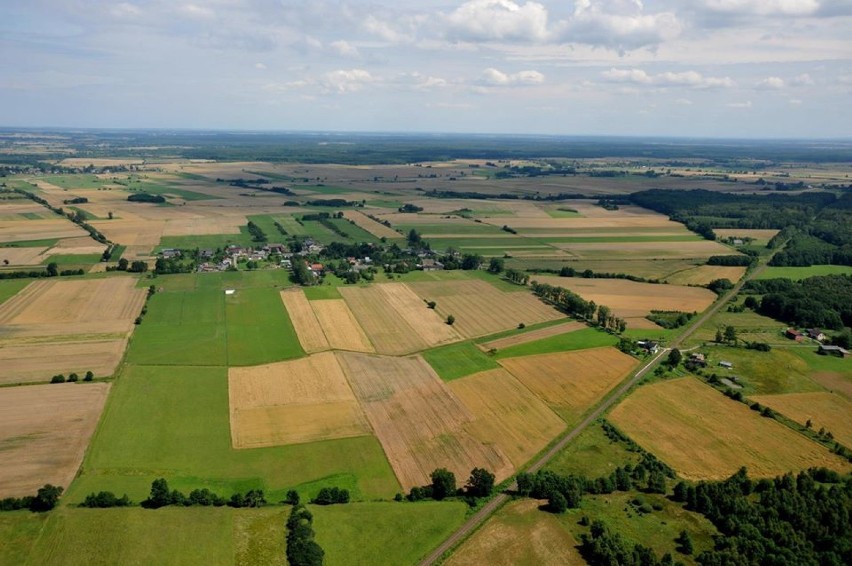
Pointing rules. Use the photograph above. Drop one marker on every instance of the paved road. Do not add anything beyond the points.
(493, 505)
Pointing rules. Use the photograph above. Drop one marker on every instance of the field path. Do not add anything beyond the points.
(492, 506)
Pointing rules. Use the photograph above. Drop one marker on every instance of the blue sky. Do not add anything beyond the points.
(716, 68)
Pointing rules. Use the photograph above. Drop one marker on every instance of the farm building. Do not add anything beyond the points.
(431, 265)
(816, 334)
(169, 253)
(726, 365)
(650, 346)
(698, 359)
(833, 350)
(794, 334)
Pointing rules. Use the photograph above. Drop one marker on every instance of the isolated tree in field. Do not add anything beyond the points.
(730, 334)
(719, 336)
(471, 261)
(674, 358)
(160, 495)
(52, 269)
(89, 376)
(480, 483)
(59, 378)
(451, 319)
(431, 304)
(73, 377)
(292, 497)
(443, 483)
(123, 264)
(603, 315)
(496, 265)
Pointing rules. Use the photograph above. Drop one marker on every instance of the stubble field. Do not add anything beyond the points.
(44, 431)
(823, 409)
(705, 436)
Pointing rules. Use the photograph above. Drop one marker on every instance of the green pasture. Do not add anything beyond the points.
(454, 227)
(797, 273)
(10, 287)
(77, 181)
(258, 329)
(592, 454)
(369, 533)
(579, 340)
(173, 422)
(322, 292)
(211, 241)
(168, 190)
(46, 243)
(222, 535)
(763, 373)
(72, 259)
(458, 360)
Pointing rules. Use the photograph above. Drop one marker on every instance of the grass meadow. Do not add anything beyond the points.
(458, 360)
(797, 273)
(10, 287)
(592, 454)
(189, 444)
(369, 533)
(69, 536)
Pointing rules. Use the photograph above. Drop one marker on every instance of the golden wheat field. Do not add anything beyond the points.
(44, 430)
(420, 423)
(704, 435)
(825, 410)
(571, 382)
(292, 402)
(507, 414)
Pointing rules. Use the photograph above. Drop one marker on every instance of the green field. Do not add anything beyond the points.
(797, 273)
(384, 533)
(139, 536)
(10, 287)
(459, 228)
(763, 373)
(657, 529)
(169, 190)
(592, 454)
(172, 422)
(72, 259)
(211, 241)
(182, 328)
(258, 329)
(46, 243)
(458, 360)
(321, 292)
(579, 340)
(78, 181)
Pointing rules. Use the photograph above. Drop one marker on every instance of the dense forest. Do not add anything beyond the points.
(823, 301)
(790, 520)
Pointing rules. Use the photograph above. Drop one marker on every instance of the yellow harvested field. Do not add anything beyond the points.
(631, 299)
(388, 331)
(571, 382)
(520, 533)
(533, 335)
(292, 402)
(23, 362)
(420, 423)
(22, 256)
(100, 162)
(836, 382)
(757, 234)
(305, 322)
(641, 323)
(140, 236)
(507, 414)
(44, 433)
(204, 225)
(705, 436)
(377, 229)
(424, 321)
(340, 326)
(39, 230)
(698, 249)
(823, 409)
(74, 302)
(481, 309)
(704, 274)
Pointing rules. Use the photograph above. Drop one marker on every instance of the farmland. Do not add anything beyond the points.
(420, 424)
(519, 534)
(45, 430)
(710, 437)
(571, 382)
(398, 354)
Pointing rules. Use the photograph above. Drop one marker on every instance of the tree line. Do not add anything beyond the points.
(819, 301)
(45, 499)
(578, 307)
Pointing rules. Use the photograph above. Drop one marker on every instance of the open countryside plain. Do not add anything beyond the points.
(361, 386)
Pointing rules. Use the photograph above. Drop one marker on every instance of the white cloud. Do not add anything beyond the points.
(689, 79)
(195, 12)
(745, 104)
(802, 80)
(620, 25)
(494, 77)
(260, 66)
(683, 101)
(794, 101)
(771, 83)
(487, 20)
(125, 10)
(345, 49)
(344, 80)
(763, 7)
